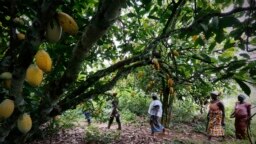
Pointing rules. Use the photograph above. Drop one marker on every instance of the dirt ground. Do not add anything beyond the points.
(135, 134)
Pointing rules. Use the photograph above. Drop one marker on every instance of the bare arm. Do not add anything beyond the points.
(222, 108)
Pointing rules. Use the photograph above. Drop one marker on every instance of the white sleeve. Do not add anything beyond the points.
(150, 107)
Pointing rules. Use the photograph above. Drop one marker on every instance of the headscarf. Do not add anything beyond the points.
(154, 95)
(241, 96)
(216, 93)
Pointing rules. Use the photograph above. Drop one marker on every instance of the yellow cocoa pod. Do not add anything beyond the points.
(171, 90)
(20, 36)
(156, 63)
(140, 74)
(194, 37)
(53, 31)
(175, 53)
(67, 23)
(6, 75)
(43, 61)
(7, 83)
(24, 123)
(203, 37)
(170, 82)
(133, 93)
(57, 117)
(6, 108)
(34, 75)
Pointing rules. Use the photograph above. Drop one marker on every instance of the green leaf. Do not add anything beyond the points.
(206, 58)
(199, 41)
(203, 57)
(218, 1)
(228, 44)
(236, 33)
(146, 2)
(229, 21)
(211, 47)
(131, 15)
(215, 22)
(245, 55)
(236, 65)
(253, 41)
(227, 55)
(226, 76)
(205, 28)
(244, 86)
(220, 36)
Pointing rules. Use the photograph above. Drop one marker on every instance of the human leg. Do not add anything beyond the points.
(110, 121)
(118, 122)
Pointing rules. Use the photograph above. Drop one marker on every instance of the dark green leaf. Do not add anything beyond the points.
(199, 41)
(215, 22)
(206, 58)
(226, 76)
(229, 21)
(244, 86)
(236, 65)
(245, 55)
(211, 47)
(205, 28)
(131, 15)
(229, 44)
(220, 36)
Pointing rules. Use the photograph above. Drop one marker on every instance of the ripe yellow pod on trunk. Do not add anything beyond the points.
(156, 63)
(6, 75)
(43, 61)
(170, 82)
(24, 123)
(6, 108)
(21, 36)
(34, 75)
(67, 23)
(53, 31)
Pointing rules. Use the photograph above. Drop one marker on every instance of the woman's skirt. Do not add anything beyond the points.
(155, 124)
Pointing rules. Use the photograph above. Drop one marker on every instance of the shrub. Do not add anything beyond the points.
(137, 104)
(94, 135)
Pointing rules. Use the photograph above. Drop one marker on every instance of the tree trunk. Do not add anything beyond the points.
(106, 15)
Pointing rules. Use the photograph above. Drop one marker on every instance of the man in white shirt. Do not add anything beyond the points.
(155, 111)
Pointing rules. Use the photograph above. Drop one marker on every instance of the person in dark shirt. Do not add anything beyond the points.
(114, 113)
(87, 115)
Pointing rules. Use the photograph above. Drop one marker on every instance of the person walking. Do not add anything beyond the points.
(114, 113)
(242, 114)
(215, 117)
(155, 111)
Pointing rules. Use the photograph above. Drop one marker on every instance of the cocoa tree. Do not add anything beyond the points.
(190, 42)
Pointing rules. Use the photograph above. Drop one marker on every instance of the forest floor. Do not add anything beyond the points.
(134, 134)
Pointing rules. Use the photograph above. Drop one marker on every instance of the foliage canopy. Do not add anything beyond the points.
(199, 44)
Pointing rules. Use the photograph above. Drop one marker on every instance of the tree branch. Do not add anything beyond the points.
(173, 15)
(206, 17)
(107, 13)
(68, 102)
(102, 73)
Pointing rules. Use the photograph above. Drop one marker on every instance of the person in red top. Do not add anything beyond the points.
(215, 117)
(242, 114)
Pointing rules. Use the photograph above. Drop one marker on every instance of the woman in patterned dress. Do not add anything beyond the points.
(215, 117)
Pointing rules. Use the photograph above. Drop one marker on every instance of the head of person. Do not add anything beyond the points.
(114, 94)
(154, 96)
(214, 95)
(241, 98)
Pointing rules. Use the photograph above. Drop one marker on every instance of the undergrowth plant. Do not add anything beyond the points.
(94, 135)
